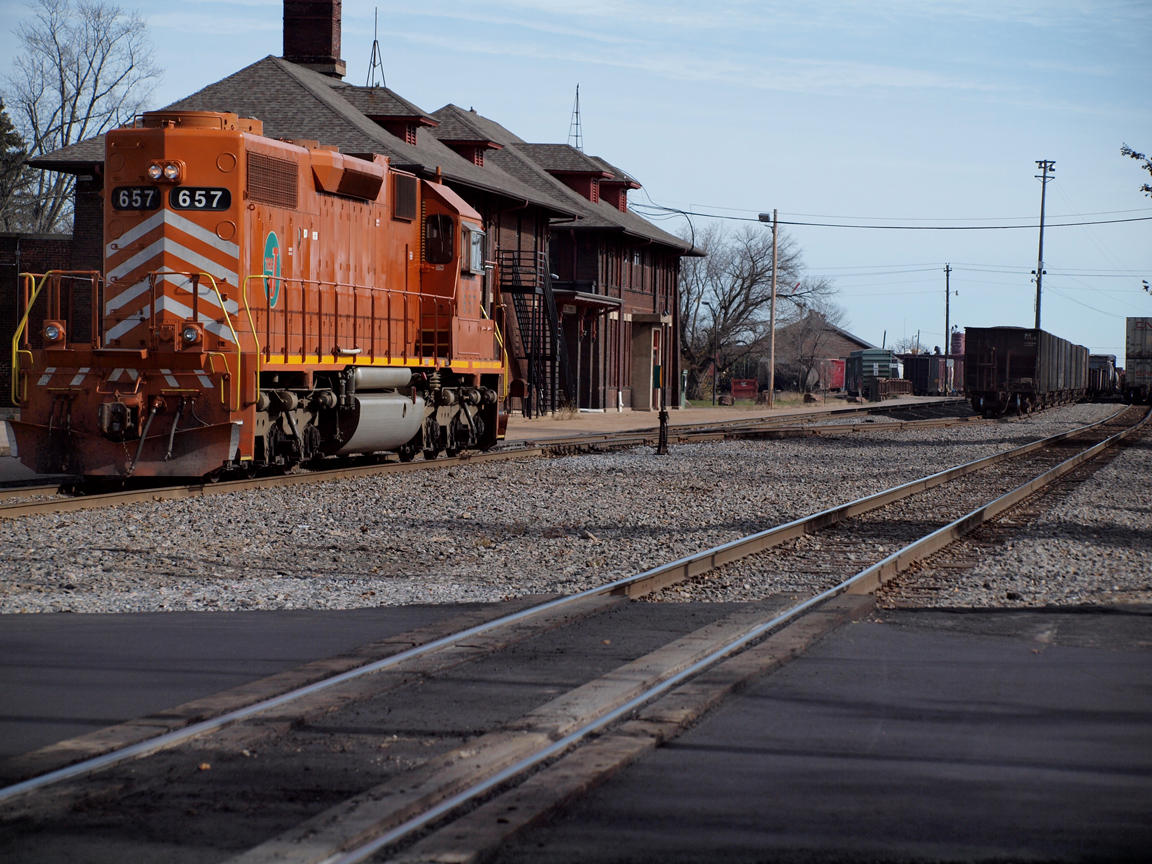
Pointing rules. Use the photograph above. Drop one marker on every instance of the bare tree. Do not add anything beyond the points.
(15, 175)
(909, 345)
(87, 66)
(725, 298)
(802, 345)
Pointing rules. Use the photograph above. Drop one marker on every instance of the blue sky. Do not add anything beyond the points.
(891, 112)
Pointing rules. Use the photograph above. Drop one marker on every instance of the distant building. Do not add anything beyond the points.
(801, 345)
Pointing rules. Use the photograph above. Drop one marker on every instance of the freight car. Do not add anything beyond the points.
(927, 372)
(1021, 369)
(864, 369)
(1103, 379)
(263, 303)
(1138, 360)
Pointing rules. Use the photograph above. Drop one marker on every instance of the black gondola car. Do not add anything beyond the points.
(927, 372)
(1021, 369)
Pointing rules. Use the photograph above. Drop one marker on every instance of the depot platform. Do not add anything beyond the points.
(572, 423)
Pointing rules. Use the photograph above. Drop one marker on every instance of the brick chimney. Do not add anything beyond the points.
(312, 35)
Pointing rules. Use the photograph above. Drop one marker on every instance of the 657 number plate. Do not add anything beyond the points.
(180, 198)
(199, 198)
(135, 198)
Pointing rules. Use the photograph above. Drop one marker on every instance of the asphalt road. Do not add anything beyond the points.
(65, 675)
(912, 736)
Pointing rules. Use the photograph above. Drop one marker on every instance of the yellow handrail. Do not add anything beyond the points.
(16, 352)
(503, 350)
(236, 339)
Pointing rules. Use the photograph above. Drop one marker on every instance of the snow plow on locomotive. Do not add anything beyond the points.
(263, 303)
(1021, 369)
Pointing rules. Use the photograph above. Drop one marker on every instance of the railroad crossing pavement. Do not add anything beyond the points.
(64, 675)
(909, 736)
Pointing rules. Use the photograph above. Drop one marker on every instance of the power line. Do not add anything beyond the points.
(637, 208)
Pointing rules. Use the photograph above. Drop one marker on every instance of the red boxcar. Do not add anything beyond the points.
(831, 374)
(744, 388)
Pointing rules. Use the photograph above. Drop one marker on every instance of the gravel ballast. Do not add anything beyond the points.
(488, 531)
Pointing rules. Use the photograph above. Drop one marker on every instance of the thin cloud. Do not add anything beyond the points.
(793, 76)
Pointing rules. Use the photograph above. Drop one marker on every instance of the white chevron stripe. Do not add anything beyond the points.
(134, 233)
(169, 246)
(171, 219)
(168, 304)
(46, 377)
(179, 282)
(122, 328)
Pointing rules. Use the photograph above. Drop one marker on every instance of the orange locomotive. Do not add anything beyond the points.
(263, 303)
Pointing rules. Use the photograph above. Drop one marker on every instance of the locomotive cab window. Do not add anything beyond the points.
(439, 231)
(473, 245)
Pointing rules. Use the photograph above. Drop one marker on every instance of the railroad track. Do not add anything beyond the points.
(28, 500)
(381, 781)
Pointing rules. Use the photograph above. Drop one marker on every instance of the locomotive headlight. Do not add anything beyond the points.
(169, 172)
(191, 334)
(53, 331)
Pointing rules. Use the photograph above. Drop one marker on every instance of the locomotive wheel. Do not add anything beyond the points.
(407, 452)
(431, 439)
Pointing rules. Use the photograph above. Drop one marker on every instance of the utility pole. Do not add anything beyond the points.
(772, 317)
(1045, 165)
(947, 329)
(947, 322)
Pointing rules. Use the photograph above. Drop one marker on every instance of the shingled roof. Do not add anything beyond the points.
(563, 158)
(532, 164)
(294, 102)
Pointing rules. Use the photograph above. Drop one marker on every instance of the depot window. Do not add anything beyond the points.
(438, 236)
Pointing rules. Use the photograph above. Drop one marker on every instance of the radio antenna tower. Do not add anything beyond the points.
(575, 135)
(375, 62)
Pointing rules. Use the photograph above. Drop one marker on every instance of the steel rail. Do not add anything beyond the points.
(647, 581)
(197, 490)
(69, 504)
(18, 490)
(863, 582)
(693, 565)
(562, 445)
